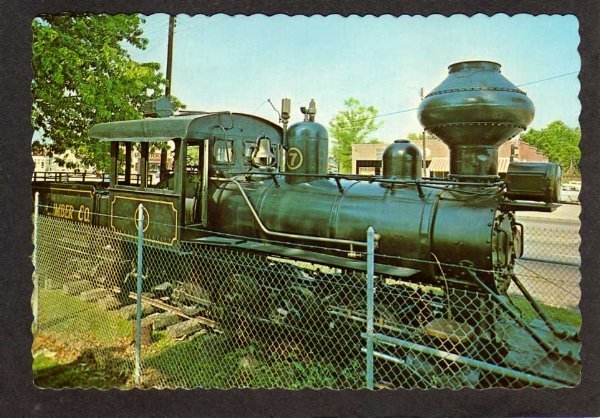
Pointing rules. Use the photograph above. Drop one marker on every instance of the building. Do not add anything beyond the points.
(153, 163)
(43, 163)
(366, 158)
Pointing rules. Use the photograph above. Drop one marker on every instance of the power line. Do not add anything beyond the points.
(415, 108)
(549, 78)
(378, 116)
(259, 106)
(396, 112)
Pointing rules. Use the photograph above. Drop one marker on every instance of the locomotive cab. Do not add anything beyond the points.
(202, 145)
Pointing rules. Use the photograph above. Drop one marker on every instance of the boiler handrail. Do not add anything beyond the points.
(284, 234)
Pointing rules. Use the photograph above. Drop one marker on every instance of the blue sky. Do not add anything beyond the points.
(236, 63)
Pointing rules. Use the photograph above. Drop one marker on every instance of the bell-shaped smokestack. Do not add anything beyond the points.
(474, 111)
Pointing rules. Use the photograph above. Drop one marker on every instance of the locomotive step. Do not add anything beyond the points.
(309, 256)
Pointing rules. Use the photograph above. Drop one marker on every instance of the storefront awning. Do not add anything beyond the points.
(442, 164)
(439, 164)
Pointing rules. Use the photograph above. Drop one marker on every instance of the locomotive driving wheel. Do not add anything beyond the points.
(507, 245)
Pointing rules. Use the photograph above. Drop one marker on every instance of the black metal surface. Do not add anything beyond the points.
(474, 110)
(402, 161)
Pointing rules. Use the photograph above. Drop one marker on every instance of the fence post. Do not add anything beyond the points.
(34, 259)
(138, 319)
(370, 303)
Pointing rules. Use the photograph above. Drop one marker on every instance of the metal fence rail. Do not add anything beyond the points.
(216, 317)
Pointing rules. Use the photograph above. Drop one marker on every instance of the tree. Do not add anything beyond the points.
(419, 137)
(353, 125)
(559, 142)
(83, 75)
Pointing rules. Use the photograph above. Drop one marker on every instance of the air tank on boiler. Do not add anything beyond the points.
(474, 111)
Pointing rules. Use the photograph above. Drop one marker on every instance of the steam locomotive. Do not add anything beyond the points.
(238, 180)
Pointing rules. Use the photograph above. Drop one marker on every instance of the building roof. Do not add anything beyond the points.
(439, 164)
(503, 164)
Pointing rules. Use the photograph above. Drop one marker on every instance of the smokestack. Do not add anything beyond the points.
(474, 111)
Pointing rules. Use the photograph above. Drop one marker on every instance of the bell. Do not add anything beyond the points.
(262, 155)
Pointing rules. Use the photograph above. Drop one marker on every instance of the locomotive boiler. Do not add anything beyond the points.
(253, 180)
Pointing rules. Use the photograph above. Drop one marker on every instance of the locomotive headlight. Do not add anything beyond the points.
(533, 181)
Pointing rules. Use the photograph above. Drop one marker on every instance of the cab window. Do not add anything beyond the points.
(223, 151)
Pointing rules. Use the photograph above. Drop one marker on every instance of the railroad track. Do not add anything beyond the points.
(157, 303)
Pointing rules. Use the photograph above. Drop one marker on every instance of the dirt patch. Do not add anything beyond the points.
(58, 364)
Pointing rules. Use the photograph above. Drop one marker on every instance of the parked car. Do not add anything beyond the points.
(570, 192)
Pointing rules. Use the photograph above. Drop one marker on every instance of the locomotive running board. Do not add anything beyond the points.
(303, 255)
(529, 206)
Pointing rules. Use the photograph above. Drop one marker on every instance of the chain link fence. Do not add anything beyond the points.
(79, 267)
(215, 316)
(550, 264)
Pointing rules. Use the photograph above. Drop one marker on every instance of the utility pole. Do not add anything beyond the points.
(163, 152)
(170, 56)
(424, 149)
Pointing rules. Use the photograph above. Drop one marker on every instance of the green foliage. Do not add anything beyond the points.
(353, 125)
(84, 372)
(83, 75)
(419, 137)
(559, 142)
(212, 361)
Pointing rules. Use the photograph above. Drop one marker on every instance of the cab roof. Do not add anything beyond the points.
(196, 126)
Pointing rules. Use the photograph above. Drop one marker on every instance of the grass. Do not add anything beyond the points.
(43, 362)
(101, 354)
(214, 361)
(84, 372)
(68, 314)
(563, 316)
(58, 362)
